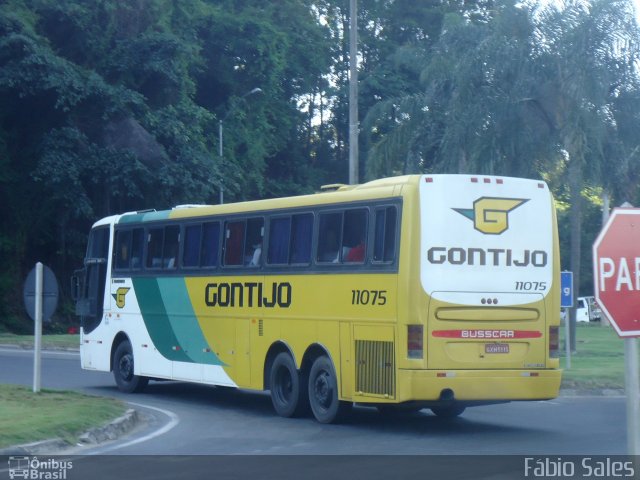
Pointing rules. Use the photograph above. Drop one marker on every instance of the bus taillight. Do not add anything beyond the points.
(414, 341)
(554, 342)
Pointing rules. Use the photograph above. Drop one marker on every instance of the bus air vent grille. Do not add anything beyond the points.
(375, 369)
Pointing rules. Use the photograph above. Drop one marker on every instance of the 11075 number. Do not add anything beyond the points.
(368, 297)
(531, 286)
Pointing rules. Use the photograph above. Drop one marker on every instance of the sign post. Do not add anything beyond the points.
(37, 334)
(633, 395)
(616, 265)
(566, 301)
(40, 295)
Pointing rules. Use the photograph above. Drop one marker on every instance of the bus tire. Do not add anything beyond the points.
(288, 392)
(450, 411)
(123, 370)
(323, 392)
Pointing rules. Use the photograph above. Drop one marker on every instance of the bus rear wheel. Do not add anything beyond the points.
(288, 390)
(123, 369)
(323, 392)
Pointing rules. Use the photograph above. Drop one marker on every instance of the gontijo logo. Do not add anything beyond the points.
(490, 214)
(120, 296)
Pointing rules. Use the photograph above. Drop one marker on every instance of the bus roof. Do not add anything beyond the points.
(382, 188)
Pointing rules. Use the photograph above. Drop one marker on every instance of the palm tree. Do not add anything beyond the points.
(586, 54)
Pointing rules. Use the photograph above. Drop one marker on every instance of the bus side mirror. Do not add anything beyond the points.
(75, 286)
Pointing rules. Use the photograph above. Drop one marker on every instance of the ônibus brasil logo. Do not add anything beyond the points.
(490, 214)
(32, 468)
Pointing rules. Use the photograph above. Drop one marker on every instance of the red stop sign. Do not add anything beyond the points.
(616, 270)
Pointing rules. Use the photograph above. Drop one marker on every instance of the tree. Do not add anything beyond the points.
(587, 55)
(473, 112)
(112, 106)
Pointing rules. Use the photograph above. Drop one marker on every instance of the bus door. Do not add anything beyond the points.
(88, 284)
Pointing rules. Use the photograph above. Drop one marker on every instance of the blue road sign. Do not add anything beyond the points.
(566, 292)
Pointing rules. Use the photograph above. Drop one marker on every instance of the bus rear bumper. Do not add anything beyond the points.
(477, 385)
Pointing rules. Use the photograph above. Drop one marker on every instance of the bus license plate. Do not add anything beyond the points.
(496, 348)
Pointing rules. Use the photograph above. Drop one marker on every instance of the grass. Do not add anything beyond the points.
(599, 360)
(27, 417)
(48, 341)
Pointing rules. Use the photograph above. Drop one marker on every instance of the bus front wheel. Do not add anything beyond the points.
(123, 370)
(323, 392)
(288, 392)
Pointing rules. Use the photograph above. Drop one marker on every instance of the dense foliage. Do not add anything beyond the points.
(109, 106)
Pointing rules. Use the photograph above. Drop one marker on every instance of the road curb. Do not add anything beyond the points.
(598, 392)
(111, 431)
(45, 348)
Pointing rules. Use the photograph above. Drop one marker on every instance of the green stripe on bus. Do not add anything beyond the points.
(156, 320)
(144, 217)
(184, 322)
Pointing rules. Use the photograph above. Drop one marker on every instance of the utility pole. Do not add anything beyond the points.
(353, 93)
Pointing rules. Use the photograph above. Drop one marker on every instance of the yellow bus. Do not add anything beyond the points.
(420, 291)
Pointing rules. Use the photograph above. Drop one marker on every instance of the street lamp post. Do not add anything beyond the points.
(220, 153)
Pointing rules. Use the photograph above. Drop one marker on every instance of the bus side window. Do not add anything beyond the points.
(279, 234)
(137, 247)
(191, 251)
(170, 249)
(210, 244)
(154, 247)
(123, 250)
(384, 246)
(329, 235)
(354, 239)
(301, 234)
(253, 243)
(234, 242)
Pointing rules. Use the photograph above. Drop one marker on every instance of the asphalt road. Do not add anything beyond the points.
(189, 419)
